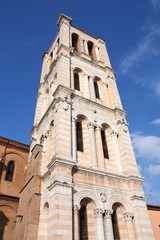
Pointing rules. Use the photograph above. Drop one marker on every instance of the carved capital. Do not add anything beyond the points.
(76, 209)
(98, 212)
(74, 118)
(128, 216)
(90, 125)
(108, 213)
(113, 133)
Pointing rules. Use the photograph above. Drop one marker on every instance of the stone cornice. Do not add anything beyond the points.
(13, 144)
(9, 198)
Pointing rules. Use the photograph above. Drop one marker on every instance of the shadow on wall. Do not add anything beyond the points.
(3, 226)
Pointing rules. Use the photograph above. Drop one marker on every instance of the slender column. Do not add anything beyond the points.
(128, 218)
(116, 151)
(93, 152)
(86, 83)
(81, 45)
(97, 53)
(74, 140)
(92, 90)
(86, 47)
(72, 78)
(98, 212)
(105, 94)
(76, 223)
(100, 156)
(108, 225)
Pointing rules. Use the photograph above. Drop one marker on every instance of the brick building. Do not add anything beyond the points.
(13, 165)
(83, 181)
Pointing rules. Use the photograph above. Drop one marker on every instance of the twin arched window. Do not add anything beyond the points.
(10, 171)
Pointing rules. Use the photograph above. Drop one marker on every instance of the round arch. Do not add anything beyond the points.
(118, 199)
(88, 194)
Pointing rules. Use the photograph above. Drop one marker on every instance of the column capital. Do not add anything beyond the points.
(90, 125)
(98, 212)
(113, 133)
(74, 118)
(76, 209)
(98, 128)
(128, 216)
(108, 213)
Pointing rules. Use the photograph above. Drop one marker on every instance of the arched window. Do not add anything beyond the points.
(79, 135)
(76, 82)
(96, 90)
(10, 171)
(75, 41)
(104, 144)
(91, 50)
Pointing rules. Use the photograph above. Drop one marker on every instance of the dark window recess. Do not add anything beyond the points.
(76, 82)
(96, 90)
(104, 145)
(10, 171)
(75, 41)
(79, 136)
(90, 48)
(115, 226)
(83, 223)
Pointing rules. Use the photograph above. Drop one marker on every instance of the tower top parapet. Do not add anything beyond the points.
(63, 18)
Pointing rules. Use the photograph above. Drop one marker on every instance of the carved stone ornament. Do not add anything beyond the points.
(128, 216)
(98, 212)
(123, 124)
(103, 197)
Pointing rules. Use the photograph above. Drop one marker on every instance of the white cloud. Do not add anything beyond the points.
(156, 87)
(156, 121)
(147, 147)
(153, 169)
(146, 47)
(155, 4)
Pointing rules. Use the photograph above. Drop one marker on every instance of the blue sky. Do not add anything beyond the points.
(131, 30)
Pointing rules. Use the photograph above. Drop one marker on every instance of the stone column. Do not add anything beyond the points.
(128, 216)
(116, 152)
(105, 94)
(98, 213)
(97, 53)
(86, 47)
(92, 90)
(108, 228)
(81, 45)
(72, 78)
(93, 152)
(74, 140)
(86, 84)
(76, 222)
(100, 155)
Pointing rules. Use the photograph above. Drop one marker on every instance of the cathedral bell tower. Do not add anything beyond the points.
(83, 181)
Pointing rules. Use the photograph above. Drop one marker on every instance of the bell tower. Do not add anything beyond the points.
(83, 181)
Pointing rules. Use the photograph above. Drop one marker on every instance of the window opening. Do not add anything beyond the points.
(104, 144)
(76, 82)
(96, 90)
(75, 41)
(10, 171)
(115, 226)
(83, 223)
(79, 135)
